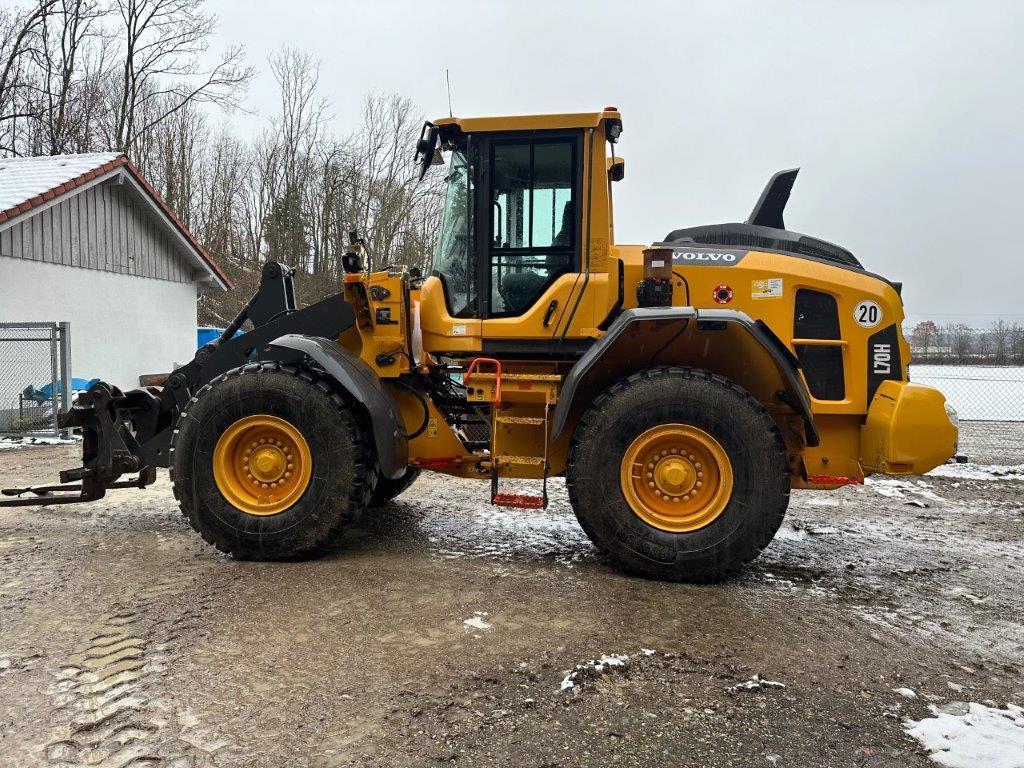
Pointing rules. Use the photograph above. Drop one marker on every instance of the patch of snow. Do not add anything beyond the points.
(8, 443)
(755, 683)
(971, 471)
(900, 489)
(455, 529)
(596, 667)
(476, 621)
(906, 693)
(980, 737)
(821, 501)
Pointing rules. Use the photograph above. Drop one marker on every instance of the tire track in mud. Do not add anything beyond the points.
(108, 688)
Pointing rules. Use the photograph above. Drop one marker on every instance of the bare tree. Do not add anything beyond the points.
(19, 43)
(161, 71)
(66, 68)
(960, 338)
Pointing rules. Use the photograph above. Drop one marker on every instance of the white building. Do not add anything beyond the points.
(85, 239)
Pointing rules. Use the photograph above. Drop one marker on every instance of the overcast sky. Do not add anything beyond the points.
(907, 118)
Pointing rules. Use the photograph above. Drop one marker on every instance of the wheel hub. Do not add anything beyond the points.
(676, 477)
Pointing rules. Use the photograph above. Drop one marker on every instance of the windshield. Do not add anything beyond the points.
(452, 263)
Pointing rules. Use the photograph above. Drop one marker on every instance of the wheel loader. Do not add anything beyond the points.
(681, 387)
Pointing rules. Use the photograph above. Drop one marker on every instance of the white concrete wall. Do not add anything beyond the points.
(121, 326)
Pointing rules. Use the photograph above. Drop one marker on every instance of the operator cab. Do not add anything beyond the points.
(515, 234)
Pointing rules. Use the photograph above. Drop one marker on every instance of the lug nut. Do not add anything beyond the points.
(697, 465)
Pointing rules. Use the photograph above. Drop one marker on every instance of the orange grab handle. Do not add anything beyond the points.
(497, 370)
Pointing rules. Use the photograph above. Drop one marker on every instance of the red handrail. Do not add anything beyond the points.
(497, 374)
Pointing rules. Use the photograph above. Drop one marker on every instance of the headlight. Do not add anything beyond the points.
(951, 414)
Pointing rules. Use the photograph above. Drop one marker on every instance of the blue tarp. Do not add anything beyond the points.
(44, 393)
(206, 334)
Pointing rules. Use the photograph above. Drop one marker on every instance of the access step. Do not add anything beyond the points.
(518, 501)
(535, 420)
(532, 461)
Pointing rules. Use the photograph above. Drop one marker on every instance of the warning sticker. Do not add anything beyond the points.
(770, 288)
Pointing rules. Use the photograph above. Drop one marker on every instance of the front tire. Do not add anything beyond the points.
(678, 474)
(268, 462)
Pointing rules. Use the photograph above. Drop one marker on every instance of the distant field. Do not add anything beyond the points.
(979, 393)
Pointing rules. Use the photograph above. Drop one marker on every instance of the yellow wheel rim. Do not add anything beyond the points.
(676, 478)
(262, 464)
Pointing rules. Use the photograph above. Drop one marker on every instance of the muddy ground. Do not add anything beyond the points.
(126, 641)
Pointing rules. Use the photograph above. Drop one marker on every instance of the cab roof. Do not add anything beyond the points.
(530, 122)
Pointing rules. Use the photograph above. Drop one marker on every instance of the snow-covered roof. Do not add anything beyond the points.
(28, 182)
(22, 178)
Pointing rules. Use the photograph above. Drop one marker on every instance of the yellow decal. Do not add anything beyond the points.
(770, 288)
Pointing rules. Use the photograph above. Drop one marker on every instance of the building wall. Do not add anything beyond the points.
(121, 326)
(104, 227)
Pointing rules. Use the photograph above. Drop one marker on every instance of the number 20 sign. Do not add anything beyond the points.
(868, 314)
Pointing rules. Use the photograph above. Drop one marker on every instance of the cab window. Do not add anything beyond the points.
(533, 220)
(453, 263)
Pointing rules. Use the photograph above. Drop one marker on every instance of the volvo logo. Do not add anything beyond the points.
(707, 258)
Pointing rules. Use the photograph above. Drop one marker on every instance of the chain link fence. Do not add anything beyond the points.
(35, 377)
(989, 400)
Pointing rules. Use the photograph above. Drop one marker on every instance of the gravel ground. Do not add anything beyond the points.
(445, 631)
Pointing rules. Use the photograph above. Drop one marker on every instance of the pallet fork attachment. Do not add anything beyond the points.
(130, 432)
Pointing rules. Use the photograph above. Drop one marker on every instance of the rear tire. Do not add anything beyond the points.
(386, 489)
(219, 501)
(737, 523)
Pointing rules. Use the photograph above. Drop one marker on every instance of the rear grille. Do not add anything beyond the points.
(816, 316)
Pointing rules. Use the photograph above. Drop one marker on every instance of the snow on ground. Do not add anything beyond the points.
(979, 471)
(972, 735)
(8, 443)
(901, 489)
(456, 530)
(476, 621)
(755, 683)
(597, 667)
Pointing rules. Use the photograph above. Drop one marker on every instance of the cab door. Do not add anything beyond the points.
(528, 233)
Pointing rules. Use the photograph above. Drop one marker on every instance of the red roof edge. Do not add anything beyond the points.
(67, 186)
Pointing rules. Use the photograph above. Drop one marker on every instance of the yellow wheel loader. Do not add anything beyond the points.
(682, 388)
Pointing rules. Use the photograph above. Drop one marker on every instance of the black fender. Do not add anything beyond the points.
(359, 380)
(707, 320)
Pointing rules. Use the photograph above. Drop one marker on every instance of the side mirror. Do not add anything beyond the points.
(616, 169)
(427, 152)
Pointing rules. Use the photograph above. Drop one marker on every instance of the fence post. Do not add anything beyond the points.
(65, 371)
(54, 374)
